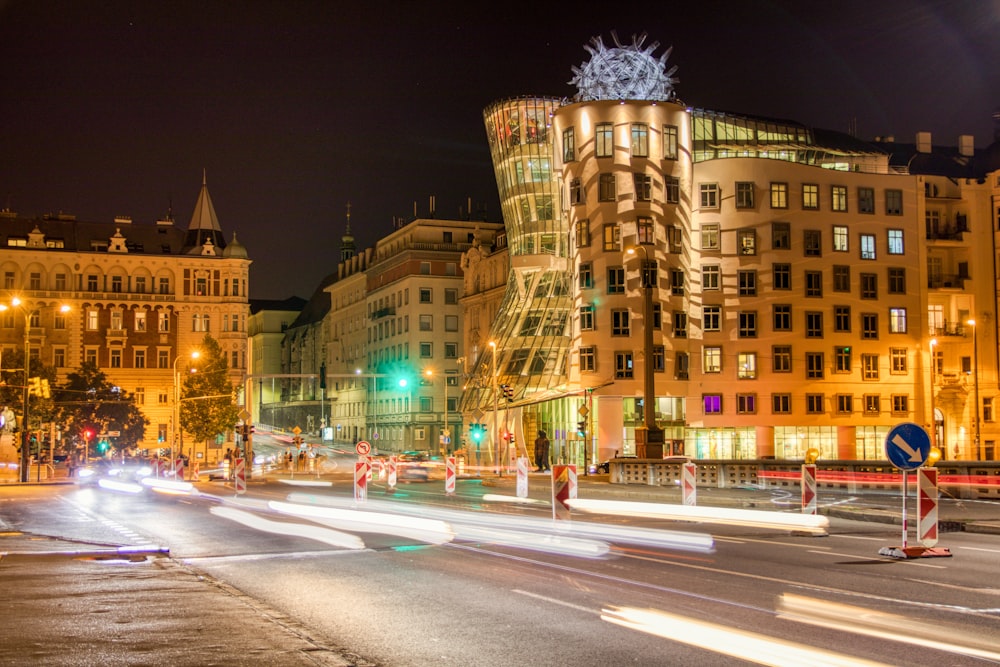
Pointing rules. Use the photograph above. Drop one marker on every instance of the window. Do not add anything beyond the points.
(640, 140)
(426, 295)
(746, 240)
(866, 200)
(450, 297)
(781, 404)
(199, 322)
(582, 233)
(987, 409)
(781, 358)
(139, 360)
(897, 360)
(680, 324)
(140, 320)
(606, 188)
(61, 281)
(814, 365)
(746, 404)
(162, 359)
(681, 365)
(897, 280)
(747, 365)
(616, 280)
(869, 286)
(59, 357)
(90, 355)
(814, 404)
(612, 236)
(92, 283)
(35, 281)
(676, 282)
(711, 277)
(588, 359)
(709, 195)
(782, 276)
(643, 184)
(575, 191)
(426, 323)
(869, 366)
(659, 359)
(814, 283)
(426, 350)
(900, 404)
(894, 202)
(838, 198)
(711, 360)
(669, 142)
(782, 317)
(842, 319)
(671, 189)
(712, 403)
(897, 320)
(92, 320)
(869, 326)
(872, 404)
(779, 195)
(585, 279)
(747, 282)
(604, 140)
(710, 237)
(810, 196)
(712, 318)
(814, 324)
(744, 194)
(649, 273)
(116, 358)
(8, 280)
(842, 359)
(841, 278)
(620, 322)
(781, 235)
(163, 322)
(59, 320)
(748, 324)
(451, 351)
(867, 246)
(813, 241)
(840, 238)
(845, 404)
(164, 286)
(623, 365)
(895, 242)
(644, 231)
(569, 144)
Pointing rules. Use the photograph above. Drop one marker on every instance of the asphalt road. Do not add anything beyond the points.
(418, 578)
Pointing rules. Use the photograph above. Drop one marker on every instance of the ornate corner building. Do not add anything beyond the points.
(140, 297)
(811, 289)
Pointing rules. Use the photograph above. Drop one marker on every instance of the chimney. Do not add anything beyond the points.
(923, 142)
(966, 145)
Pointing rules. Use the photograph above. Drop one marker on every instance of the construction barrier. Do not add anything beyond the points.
(361, 471)
(522, 477)
(689, 484)
(927, 506)
(179, 469)
(563, 490)
(240, 478)
(391, 472)
(808, 488)
(195, 472)
(449, 476)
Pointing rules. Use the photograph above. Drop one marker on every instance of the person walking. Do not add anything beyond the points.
(542, 452)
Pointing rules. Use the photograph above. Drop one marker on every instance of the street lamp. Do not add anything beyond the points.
(26, 395)
(445, 433)
(648, 437)
(933, 415)
(496, 422)
(975, 380)
(177, 407)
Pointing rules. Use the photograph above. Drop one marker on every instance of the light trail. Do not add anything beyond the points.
(317, 533)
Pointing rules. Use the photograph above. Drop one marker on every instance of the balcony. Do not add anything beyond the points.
(383, 312)
(950, 329)
(955, 281)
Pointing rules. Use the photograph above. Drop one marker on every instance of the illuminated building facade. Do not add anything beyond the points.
(811, 289)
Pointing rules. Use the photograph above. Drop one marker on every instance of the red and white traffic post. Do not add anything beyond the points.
(391, 473)
(240, 478)
(809, 488)
(450, 472)
(522, 477)
(689, 483)
(563, 490)
(361, 480)
(927, 506)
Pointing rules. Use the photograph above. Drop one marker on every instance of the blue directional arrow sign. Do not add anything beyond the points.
(907, 446)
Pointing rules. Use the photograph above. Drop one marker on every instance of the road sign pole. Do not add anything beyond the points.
(905, 528)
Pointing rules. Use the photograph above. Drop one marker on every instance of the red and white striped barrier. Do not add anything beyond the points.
(449, 475)
(391, 472)
(195, 472)
(522, 477)
(689, 483)
(240, 478)
(179, 469)
(809, 488)
(154, 468)
(563, 490)
(361, 471)
(927, 506)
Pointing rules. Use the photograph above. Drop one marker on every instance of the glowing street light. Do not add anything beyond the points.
(177, 406)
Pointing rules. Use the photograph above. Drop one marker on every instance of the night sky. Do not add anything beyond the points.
(295, 108)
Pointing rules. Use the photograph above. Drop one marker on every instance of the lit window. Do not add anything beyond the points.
(897, 320)
(747, 365)
(710, 237)
(640, 140)
(709, 195)
(670, 142)
(711, 277)
(712, 360)
(867, 246)
(582, 233)
(840, 235)
(569, 145)
(746, 240)
(895, 242)
(712, 403)
(810, 196)
(779, 195)
(838, 198)
(604, 140)
(644, 229)
(612, 236)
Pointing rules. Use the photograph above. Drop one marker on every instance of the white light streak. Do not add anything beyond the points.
(416, 528)
(317, 533)
(117, 485)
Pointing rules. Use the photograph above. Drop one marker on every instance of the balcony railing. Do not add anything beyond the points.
(956, 281)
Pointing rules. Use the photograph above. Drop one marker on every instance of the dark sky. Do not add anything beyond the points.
(296, 108)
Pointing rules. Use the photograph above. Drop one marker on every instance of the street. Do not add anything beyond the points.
(417, 578)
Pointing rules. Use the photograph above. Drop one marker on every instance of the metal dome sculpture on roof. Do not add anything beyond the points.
(624, 73)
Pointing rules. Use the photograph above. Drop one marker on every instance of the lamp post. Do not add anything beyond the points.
(933, 415)
(975, 381)
(25, 461)
(496, 423)
(177, 407)
(444, 431)
(649, 437)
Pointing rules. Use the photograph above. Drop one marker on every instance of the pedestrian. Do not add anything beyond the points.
(542, 452)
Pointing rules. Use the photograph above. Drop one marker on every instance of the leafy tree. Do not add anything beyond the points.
(13, 380)
(89, 401)
(208, 399)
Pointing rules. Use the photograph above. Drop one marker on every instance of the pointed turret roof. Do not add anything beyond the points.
(347, 248)
(204, 223)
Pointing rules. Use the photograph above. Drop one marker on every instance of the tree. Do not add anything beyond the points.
(12, 382)
(208, 399)
(89, 401)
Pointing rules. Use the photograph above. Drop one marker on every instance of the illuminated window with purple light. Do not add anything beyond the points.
(712, 403)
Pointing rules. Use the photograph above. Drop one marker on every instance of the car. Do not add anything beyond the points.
(413, 466)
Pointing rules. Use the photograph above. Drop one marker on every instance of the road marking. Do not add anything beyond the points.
(236, 558)
(989, 551)
(561, 603)
(744, 540)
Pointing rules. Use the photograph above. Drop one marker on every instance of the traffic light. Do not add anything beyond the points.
(35, 386)
(45, 388)
(581, 428)
(476, 432)
(508, 392)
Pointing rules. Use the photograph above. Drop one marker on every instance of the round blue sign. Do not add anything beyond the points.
(907, 446)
